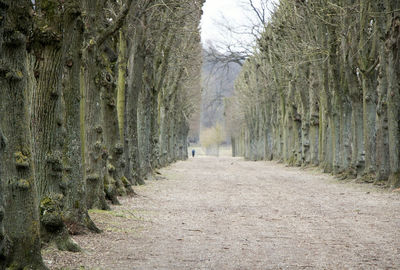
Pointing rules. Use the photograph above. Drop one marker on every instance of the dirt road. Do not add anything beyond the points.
(226, 213)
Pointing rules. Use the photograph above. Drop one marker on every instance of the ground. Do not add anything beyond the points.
(227, 213)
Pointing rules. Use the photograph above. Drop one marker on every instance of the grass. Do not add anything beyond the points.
(126, 214)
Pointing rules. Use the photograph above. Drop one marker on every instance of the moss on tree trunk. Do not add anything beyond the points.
(21, 217)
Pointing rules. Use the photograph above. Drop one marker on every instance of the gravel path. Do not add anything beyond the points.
(226, 213)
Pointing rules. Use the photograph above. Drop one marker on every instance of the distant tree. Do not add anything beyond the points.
(320, 89)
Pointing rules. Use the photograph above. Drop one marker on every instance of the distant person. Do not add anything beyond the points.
(193, 152)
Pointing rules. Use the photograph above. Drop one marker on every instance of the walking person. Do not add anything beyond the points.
(193, 152)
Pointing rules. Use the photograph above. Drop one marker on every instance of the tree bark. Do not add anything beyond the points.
(382, 139)
(393, 46)
(136, 65)
(95, 151)
(3, 238)
(21, 217)
(314, 117)
(113, 175)
(367, 62)
(47, 124)
(122, 113)
(75, 209)
(336, 93)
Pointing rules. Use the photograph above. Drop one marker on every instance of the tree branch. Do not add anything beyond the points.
(261, 17)
(116, 25)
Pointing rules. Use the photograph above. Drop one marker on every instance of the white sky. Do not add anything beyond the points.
(238, 14)
(213, 10)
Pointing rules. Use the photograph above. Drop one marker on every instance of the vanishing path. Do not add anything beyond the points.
(226, 213)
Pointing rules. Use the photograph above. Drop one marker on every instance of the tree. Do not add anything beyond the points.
(65, 75)
(3, 239)
(47, 121)
(392, 45)
(328, 73)
(21, 217)
(75, 209)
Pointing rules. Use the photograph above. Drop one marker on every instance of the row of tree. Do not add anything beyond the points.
(94, 96)
(323, 89)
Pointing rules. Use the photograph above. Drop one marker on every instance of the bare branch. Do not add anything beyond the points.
(116, 25)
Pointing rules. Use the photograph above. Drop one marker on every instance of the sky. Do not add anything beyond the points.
(236, 12)
(213, 10)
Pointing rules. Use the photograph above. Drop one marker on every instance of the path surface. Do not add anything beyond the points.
(226, 213)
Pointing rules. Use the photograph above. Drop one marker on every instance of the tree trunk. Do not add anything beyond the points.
(95, 151)
(382, 139)
(48, 128)
(121, 110)
(163, 131)
(304, 97)
(3, 238)
(345, 132)
(75, 209)
(94, 146)
(144, 125)
(114, 173)
(367, 62)
(155, 130)
(48, 139)
(326, 123)
(121, 86)
(137, 56)
(314, 117)
(346, 56)
(357, 138)
(336, 93)
(393, 47)
(21, 217)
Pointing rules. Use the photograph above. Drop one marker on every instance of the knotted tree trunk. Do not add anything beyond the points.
(21, 217)
(136, 64)
(75, 209)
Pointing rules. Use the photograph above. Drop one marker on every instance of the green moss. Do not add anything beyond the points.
(121, 191)
(93, 177)
(368, 178)
(98, 211)
(50, 212)
(125, 181)
(107, 187)
(21, 160)
(110, 168)
(14, 75)
(13, 266)
(127, 214)
(121, 84)
(45, 202)
(23, 184)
